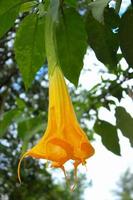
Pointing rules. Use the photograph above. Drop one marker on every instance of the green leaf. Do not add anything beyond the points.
(71, 40)
(9, 10)
(111, 18)
(115, 90)
(97, 8)
(65, 46)
(27, 6)
(28, 127)
(30, 47)
(124, 122)
(126, 36)
(20, 103)
(103, 41)
(71, 2)
(109, 136)
(6, 120)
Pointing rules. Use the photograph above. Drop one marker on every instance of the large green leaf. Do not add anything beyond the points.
(9, 10)
(6, 120)
(109, 136)
(126, 36)
(71, 41)
(103, 41)
(65, 45)
(111, 18)
(97, 8)
(124, 122)
(30, 47)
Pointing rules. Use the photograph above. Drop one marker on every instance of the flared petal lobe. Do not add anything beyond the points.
(64, 139)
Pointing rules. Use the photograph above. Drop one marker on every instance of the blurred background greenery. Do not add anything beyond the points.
(23, 113)
(124, 187)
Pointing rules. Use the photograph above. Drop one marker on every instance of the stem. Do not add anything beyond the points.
(50, 35)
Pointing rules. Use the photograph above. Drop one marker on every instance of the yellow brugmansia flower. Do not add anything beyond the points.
(64, 139)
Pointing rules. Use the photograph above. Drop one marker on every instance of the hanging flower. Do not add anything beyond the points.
(64, 139)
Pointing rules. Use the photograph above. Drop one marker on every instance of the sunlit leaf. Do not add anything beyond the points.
(30, 47)
(27, 6)
(97, 8)
(9, 10)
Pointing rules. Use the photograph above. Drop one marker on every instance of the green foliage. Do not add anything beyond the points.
(108, 132)
(71, 43)
(65, 45)
(124, 190)
(6, 121)
(27, 6)
(126, 36)
(68, 39)
(117, 92)
(27, 128)
(97, 8)
(9, 11)
(111, 18)
(125, 123)
(30, 47)
(61, 41)
(103, 41)
(71, 2)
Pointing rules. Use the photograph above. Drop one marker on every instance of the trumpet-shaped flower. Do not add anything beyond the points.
(63, 139)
